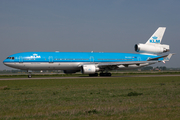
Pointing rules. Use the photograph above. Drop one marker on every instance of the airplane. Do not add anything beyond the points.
(93, 62)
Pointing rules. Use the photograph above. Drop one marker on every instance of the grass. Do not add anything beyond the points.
(92, 98)
(41, 75)
(36, 75)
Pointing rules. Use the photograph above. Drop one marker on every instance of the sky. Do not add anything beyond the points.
(86, 25)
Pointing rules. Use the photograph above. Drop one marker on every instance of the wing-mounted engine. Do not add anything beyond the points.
(89, 69)
(153, 45)
(151, 48)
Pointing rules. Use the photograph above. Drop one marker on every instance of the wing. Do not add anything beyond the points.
(114, 65)
(126, 64)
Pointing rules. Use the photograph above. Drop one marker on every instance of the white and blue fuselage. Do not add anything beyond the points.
(70, 60)
(92, 62)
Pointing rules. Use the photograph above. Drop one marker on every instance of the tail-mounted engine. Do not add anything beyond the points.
(151, 48)
(153, 45)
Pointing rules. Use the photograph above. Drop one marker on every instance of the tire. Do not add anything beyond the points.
(105, 74)
(93, 75)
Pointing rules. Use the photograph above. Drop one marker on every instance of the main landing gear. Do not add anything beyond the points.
(105, 74)
(93, 75)
(101, 74)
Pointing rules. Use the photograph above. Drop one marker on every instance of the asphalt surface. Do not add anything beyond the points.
(43, 78)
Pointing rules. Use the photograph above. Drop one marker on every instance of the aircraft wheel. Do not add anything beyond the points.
(96, 74)
(109, 74)
(101, 74)
(29, 76)
(93, 75)
(105, 74)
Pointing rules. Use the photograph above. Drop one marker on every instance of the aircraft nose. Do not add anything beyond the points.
(5, 62)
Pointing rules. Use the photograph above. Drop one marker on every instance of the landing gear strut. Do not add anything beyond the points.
(101, 74)
(29, 73)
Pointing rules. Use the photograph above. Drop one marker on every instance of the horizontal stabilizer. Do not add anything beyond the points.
(165, 57)
(168, 57)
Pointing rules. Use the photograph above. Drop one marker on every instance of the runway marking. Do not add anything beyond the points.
(45, 78)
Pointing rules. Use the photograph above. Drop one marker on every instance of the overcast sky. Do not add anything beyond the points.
(86, 25)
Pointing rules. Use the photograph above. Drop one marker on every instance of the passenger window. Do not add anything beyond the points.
(12, 58)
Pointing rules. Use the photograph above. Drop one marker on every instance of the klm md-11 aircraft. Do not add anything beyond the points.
(93, 62)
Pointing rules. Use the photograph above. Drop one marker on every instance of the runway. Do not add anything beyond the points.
(43, 78)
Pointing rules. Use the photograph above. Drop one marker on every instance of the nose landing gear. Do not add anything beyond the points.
(29, 76)
(29, 73)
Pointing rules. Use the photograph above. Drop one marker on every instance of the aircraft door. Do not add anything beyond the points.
(139, 58)
(20, 59)
(50, 59)
(91, 59)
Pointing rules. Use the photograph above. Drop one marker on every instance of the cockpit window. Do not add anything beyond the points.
(12, 58)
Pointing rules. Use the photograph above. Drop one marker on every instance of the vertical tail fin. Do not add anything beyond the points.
(157, 36)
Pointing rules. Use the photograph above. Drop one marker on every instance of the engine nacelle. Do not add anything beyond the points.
(154, 49)
(89, 69)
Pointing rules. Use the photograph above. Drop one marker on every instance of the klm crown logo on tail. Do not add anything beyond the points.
(154, 40)
(157, 36)
(153, 45)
